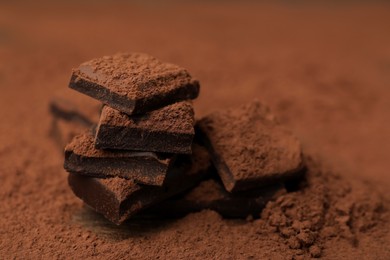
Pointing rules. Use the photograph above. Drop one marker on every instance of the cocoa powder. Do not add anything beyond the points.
(331, 93)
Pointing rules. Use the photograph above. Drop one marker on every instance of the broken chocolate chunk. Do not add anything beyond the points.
(210, 194)
(249, 147)
(134, 83)
(169, 129)
(82, 157)
(118, 199)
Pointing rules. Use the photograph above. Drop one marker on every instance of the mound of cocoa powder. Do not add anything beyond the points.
(323, 207)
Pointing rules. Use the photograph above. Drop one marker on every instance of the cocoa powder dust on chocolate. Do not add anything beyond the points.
(249, 147)
(134, 83)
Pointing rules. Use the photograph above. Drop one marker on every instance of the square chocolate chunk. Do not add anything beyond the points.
(169, 130)
(83, 158)
(118, 199)
(134, 83)
(250, 148)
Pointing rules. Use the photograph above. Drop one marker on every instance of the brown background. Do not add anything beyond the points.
(323, 68)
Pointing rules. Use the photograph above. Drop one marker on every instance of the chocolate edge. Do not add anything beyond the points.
(105, 138)
(79, 164)
(90, 88)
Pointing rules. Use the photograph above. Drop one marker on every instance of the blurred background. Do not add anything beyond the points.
(323, 67)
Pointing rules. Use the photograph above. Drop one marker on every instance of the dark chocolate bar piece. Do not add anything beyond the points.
(82, 157)
(250, 148)
(118, 199)
(69, 106)
(169, 129)
(134, 83)
(210, 194)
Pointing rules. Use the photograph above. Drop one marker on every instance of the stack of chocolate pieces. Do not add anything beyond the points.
(140, 155)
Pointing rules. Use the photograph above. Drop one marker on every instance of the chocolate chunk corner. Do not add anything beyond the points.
(134, 83)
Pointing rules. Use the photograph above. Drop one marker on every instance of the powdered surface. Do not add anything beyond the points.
(178, 117)
(135, 75)
(327, 79)
(251, 143)
(119, 186)
(326, 207)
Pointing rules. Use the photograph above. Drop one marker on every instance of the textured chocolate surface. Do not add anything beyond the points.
(118, 199)
(82, 157)
(249, 147)
(210, 194)
(169, 129)
(134, 83)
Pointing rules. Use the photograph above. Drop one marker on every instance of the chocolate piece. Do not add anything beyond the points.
(169, 129)
(210, 194)
(119, 199)
(82, 157)
(250, 148)
(134, 83)
(70, 106)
